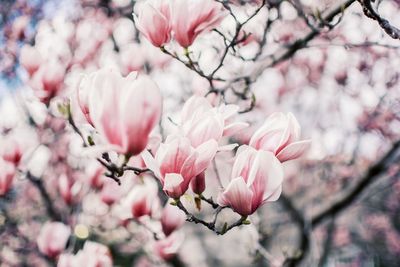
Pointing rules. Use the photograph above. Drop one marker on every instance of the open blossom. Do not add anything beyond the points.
(124, 110)
(176, 163)
(171, 219)
(142, 200)
(192, 17)
(257, 178)
(53, 238)
(202, 122)
(280, 134)
(154, 22)
(6, 176)
(47, 81)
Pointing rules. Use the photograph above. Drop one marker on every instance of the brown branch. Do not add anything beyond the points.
(300, 221)
(328, 243)
(373, 172)
(209, 201)
(297, 45)
(211, 225)
(370, 12)
(48, 202)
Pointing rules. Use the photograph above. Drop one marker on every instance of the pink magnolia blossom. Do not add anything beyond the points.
(154, 21)
(92, 255)
(192, 17)
(96, 176)
(176, 163)
(12, 151)
(257, 178)
(171, 219)
(53, 238)
(123, 110)
(6, 176)
(67, 260)
(30, 59)
(168, 247)
(69, 188)
(111, 192)
(47, 81)
(280, 134)
(198, 183)
(133, 57)
(202, 122)
(142, 200)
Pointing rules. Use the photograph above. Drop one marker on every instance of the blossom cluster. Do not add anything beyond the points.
(135, 133)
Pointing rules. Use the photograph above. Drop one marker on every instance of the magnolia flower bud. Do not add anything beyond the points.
(154, 21)
(53, 238)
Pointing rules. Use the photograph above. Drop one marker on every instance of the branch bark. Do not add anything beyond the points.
(373, 172)
(298, 44)
(337, 207)
(371, 13)
(51, 211)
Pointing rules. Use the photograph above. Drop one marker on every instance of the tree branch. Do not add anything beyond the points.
(48, 202)
(375, 170)
(298, 44)
(370, 12)
(303, 228)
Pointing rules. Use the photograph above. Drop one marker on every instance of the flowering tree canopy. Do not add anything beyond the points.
(199, 133)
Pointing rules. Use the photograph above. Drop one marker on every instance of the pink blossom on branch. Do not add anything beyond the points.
(202, 122)
(193, 17)
(124, 110)
(257, 178)
(154, 21)
(176, 163)
(280, 134)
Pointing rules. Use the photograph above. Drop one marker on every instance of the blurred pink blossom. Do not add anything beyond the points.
(168, 247)
(6, 176)
(53, 238)
(30, 59)
(171, 219)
